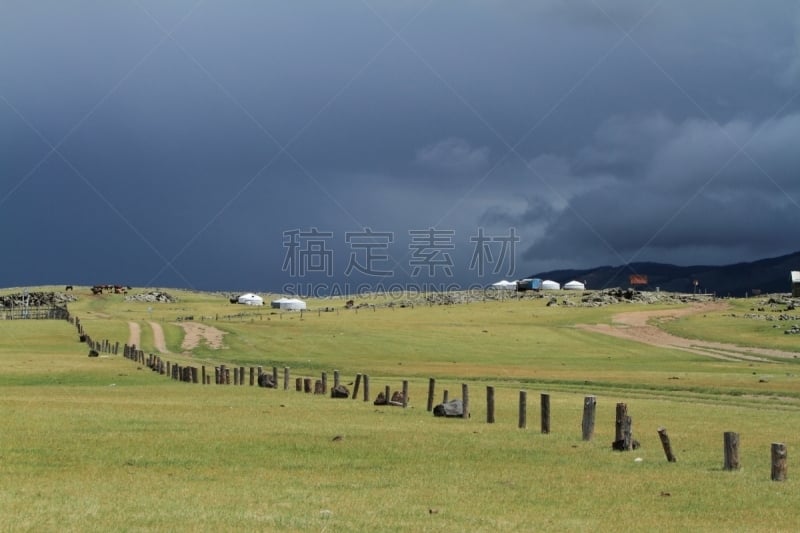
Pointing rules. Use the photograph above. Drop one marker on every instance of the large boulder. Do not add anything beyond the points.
(453, 408)
(265, 380)
(340, 391)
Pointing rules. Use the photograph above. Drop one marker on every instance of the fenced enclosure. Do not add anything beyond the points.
(34, 312)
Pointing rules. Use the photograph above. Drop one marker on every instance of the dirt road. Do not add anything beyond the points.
(134, 334)
(636, 326)
(158, 337)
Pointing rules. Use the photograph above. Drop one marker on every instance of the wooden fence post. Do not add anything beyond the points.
(366, 387)
(445, 395)
(324, 382)
(203, 369)
(286, 378)
(778, 461)
(490, 405)
(357, 385)
(523, 410)
(622, 429)
(589, 408)
(545, 413)
(731, 450)
(431, 389)
(405, 393)
(275, 377)
(336, 378)
(662, 434)
(298, 384)
(465, 399)
(307, 386)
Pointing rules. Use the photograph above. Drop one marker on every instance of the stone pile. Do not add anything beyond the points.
(152, 297)
(617, 295)
(37, 299)
(794, 330)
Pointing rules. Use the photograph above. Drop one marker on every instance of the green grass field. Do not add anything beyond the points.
(105, 444)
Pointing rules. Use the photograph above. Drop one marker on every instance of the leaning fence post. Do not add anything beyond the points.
(465, 399)
(587, 426)
(357, 385)
(431, 388)
(545, 413)
(731, 450)
(490, 405)
(523, 410)
(778, 461)
(662, 434)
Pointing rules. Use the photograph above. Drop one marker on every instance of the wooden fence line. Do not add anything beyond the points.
(623, 433)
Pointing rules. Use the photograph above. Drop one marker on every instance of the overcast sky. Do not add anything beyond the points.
(252, 144)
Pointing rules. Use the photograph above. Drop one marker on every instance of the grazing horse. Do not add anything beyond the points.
(68, 288)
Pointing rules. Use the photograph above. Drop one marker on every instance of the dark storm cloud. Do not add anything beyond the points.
(724, 190)
(187, 136)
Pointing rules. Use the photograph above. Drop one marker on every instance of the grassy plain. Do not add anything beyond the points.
(102, 444)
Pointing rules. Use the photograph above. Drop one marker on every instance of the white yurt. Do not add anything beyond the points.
(288, 304)
(251, 299)
(505, 285)
(550, 285)
(574, 286)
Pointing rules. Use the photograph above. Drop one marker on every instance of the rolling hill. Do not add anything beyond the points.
(739, 279)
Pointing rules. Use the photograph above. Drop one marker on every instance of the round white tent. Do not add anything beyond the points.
(574, 286)
(288, 304)
(550, 285)
(251, 299)
(505, 285)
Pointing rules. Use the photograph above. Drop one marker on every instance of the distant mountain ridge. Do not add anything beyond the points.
(765, 276)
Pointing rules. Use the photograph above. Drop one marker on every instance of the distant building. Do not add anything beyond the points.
(637, 279)
(795, 284)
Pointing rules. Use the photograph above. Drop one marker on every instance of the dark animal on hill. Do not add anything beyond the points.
(68, 288)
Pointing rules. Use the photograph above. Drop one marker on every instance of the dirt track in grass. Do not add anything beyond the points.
(639, 326)
(196, 333)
